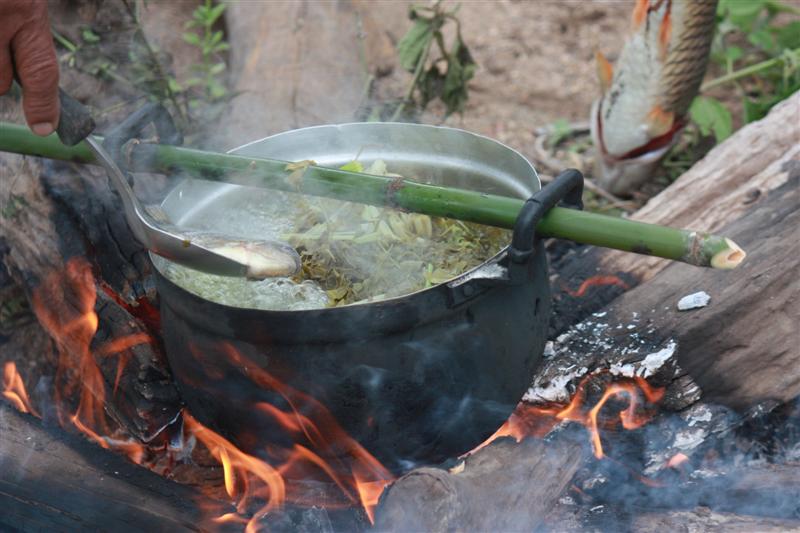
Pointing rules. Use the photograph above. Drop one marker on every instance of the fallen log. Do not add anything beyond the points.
(503, 487)
(53, 481)
(738, 349)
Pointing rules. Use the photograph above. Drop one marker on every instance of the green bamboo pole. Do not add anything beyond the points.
(696, 248)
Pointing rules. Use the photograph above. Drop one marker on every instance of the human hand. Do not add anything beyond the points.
(26, 47)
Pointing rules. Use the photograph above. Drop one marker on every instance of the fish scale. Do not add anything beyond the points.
(647, 94)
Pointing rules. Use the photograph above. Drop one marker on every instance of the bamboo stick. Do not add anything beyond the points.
(696, 248)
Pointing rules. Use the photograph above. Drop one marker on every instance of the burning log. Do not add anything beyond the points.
(502, 487)
(53, 481)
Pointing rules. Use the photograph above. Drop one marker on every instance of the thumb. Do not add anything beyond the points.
(37, 68)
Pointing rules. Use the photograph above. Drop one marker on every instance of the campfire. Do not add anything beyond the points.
(317, 452)
(549, 386)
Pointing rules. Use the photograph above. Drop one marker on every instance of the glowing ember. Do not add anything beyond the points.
(596, 281)
(14, 389)
(536, 421)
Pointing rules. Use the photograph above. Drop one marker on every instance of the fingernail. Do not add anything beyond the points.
(42, 128)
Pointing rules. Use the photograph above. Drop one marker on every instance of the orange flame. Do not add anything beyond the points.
(64, 304)
(360, 477)
(536, 421)
(237, 464)
(596, 281)
(14, 389)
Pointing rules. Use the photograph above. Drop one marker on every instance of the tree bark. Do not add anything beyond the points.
(299, 64)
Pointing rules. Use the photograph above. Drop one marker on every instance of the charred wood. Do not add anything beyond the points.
(53, 481)
(739, 350)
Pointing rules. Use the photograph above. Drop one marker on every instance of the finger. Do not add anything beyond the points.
(37, 67)
(6, 70)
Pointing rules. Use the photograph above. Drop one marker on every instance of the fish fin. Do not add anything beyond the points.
(605, 72)
(659, 121)
(639, 13)
(665, 33)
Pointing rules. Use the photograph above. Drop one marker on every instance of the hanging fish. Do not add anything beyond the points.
(647, 93)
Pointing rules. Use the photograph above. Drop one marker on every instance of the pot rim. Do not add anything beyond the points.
(470, 274)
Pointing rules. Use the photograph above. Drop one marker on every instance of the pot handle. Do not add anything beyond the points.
(566, 188)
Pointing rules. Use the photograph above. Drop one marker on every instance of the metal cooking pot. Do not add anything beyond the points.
(414, 379)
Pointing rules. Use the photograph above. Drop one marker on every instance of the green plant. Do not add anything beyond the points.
(210, 42)
(751, 33)
(444, 77)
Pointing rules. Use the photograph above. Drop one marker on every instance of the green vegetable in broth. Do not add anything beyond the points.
(361, 252)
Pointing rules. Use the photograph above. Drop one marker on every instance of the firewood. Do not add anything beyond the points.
(503, 487)
(54, 481)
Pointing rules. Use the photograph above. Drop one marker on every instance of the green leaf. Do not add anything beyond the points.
(733, 53)
(414, 43)
(431, 85)
(221, 47)
(215, 13)
(173, 85)
(711, 116)
(217, 68)
(215, 37)
(89, 36)
(352, 166)
(789, 36)
(460, 69)
(763, 39)
(743, 13)
(192, 38)
(216, 90)
(561, 130)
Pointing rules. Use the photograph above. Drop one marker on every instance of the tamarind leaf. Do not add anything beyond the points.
(414, 43)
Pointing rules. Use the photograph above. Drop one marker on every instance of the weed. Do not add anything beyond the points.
(209, 72)
(439, 72)
(749, 33)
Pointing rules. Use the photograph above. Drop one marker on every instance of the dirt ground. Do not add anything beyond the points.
(535, 62)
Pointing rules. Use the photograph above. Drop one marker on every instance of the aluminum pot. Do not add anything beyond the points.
(414, 379)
